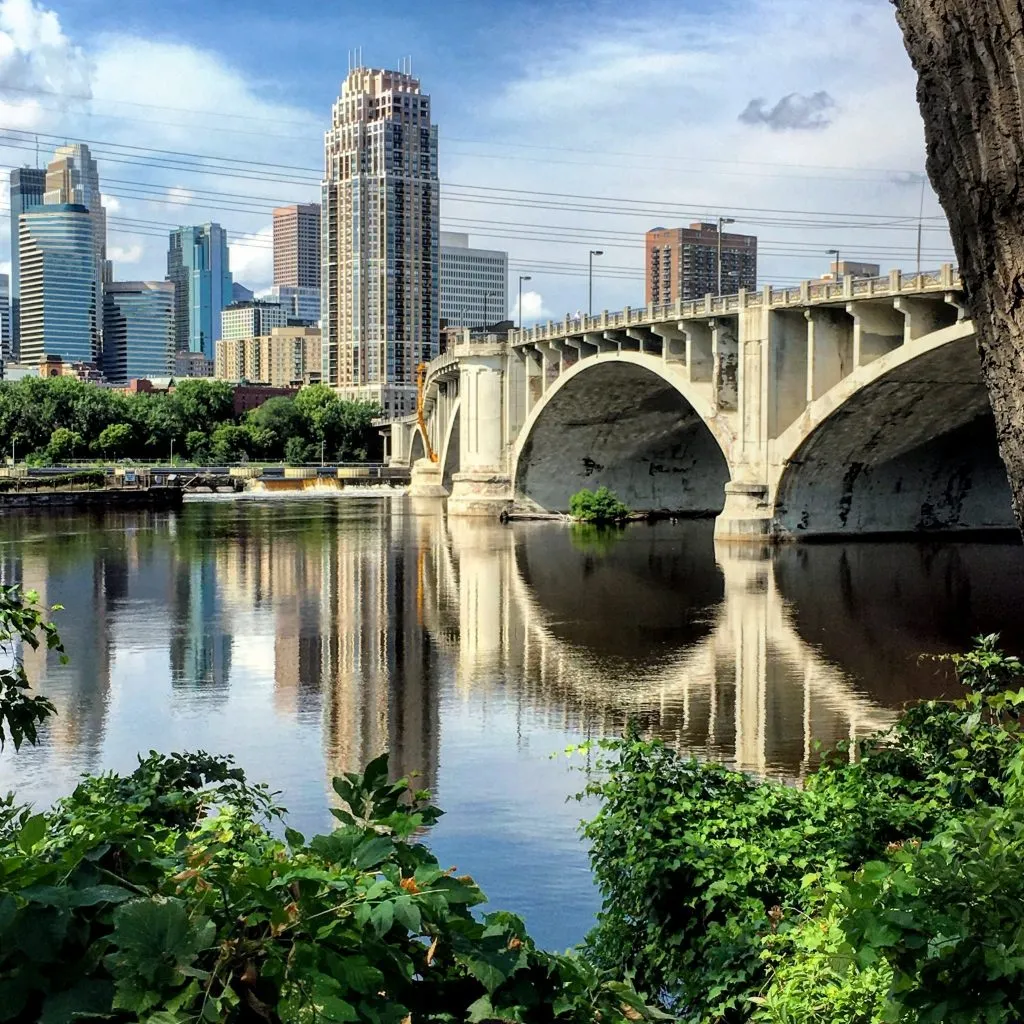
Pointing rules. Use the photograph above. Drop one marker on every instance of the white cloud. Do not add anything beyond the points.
(111, 204)
(252, 259)
(533, 309)
(178, 196)
(125, 253)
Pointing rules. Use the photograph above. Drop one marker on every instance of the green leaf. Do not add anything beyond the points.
(154, 939)
(383, 917)
(293, 838)
(372, 852)
(88, 998)
(31, 832)
(408, 914)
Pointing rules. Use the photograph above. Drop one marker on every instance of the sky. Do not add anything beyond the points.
(564, 125)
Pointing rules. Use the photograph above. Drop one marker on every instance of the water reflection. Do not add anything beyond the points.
(305, 636)
(356, 619)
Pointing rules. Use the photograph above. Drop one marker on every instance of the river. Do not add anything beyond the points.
(305, 636)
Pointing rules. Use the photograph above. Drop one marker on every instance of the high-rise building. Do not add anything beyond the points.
(682, 263)
(474, 282)
(5, 318)
(249, 319)
(380, 269)
(284, 357)
(27, 187)
(59, 289)
(848, 268)
(72, 177)
(301, 303)
(138, 330)
(297, 245)
(199, 265)
(239, 293)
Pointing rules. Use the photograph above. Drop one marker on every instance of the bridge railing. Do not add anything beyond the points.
(895, 283)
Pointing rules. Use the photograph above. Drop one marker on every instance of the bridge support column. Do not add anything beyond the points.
(747, 516)
(482, 487)
(426, 480)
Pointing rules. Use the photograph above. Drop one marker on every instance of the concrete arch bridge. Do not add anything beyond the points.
(853, 407)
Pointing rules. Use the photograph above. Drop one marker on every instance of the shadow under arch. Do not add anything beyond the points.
(907, 446)
(629, 422)
(653, 602)
(417, 449)
(450, 447)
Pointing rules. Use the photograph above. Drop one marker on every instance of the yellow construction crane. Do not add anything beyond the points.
(421, 373)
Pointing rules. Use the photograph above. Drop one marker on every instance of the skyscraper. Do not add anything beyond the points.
(474, 282)
(5, 318)
(682, 263)
(379, 275)
(138, 330)
(198, 264)
(59, 288)
(72, 177)
(27, 187)
(300, 303)
(297, 245)
(251, 319)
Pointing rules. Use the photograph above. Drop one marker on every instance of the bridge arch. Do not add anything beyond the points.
(449, 454)
(417, 447)
(631, 422)
(903, 444)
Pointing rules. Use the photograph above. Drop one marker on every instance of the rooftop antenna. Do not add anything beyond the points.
(37, 152)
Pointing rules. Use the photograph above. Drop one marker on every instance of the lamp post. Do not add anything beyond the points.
(590, 281)
(835, 252)
(323, 445)
(522, 278)
(171, 459)
(721, 222)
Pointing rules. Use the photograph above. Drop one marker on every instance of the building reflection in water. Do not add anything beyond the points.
(327, 631)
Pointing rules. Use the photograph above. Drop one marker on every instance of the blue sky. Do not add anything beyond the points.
(633, 104)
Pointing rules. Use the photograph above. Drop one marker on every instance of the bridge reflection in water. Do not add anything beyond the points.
(307, 636)
(698, 645)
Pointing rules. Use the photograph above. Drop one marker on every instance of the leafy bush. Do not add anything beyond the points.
(702, 868)
(600, 506)
(163, 896)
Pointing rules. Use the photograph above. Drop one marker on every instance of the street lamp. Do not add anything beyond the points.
(323, 445)
(522, 278)
(721, 222)
(835, 252)
(171, 460)
(590, 281)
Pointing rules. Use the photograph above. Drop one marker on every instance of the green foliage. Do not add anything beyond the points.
(115, 441)
(22, 622)
(735, 897)
(594, 540)
(296, 451)
(50, 421)
(64, 444)
(164, 896)
(600, 506)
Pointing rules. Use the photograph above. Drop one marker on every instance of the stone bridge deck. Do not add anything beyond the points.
(833, 407)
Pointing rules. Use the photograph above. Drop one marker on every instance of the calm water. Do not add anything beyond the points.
(305, 636)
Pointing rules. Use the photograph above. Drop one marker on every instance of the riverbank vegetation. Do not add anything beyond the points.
(60, 420)
(600, 507)
(888, 887)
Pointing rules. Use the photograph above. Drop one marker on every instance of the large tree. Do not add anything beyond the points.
(969, 58)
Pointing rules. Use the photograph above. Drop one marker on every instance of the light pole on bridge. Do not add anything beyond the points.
(721, 222)
(590, 281)
(835, 252)
(522, 278)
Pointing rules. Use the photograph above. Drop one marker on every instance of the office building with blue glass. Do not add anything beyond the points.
(27, 187)
(60, 288)
(138, 330)
(198, 265)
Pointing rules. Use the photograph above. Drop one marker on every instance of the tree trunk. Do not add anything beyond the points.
(969, 58)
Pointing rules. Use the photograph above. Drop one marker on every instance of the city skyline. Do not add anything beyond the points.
(838, 134)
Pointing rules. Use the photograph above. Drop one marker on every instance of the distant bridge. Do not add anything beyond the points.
(830, 408)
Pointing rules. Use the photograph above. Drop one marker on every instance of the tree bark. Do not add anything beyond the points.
(969, 58)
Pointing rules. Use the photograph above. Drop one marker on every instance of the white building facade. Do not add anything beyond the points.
(474, 283)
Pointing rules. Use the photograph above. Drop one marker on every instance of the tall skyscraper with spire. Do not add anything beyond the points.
(380, 237)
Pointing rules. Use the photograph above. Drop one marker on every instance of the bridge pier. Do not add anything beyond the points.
(426, 480)
(747, 516)
(483, 486)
